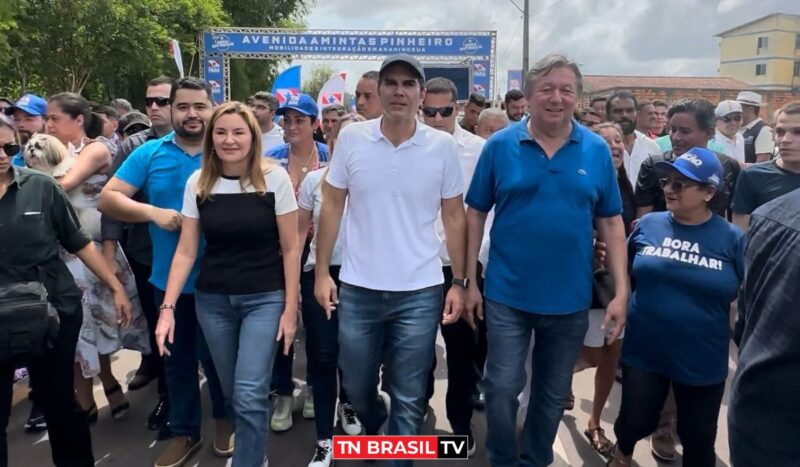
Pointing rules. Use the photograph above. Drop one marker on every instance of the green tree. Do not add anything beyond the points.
(7, 23)
(100, 47)
(249, 76)
(319, 75)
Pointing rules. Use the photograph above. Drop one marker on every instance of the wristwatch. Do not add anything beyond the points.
(463, 283)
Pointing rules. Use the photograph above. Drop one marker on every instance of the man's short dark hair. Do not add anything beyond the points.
(373, 75)
(440, 85)
(269, 98)
(195, 84)
(597, 99)
(621, 95)
(107, 110)
(513, 95)
(477, 99)
(338, 108)
(161, 80)
(643, 104)
(588, 111)
(702, 110)
(660, 104)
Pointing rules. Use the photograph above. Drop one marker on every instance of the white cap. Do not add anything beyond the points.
(727, 107)
(749, 98)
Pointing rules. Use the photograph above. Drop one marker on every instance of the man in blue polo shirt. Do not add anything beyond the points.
(551, 182)
(160, 168)
(28, 114)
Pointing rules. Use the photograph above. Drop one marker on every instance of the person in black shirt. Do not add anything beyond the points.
(765, 181)
(691, 124)
(247, 289)
(764, 415)
(36, 221)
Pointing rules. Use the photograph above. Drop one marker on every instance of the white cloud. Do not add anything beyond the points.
(636, 37)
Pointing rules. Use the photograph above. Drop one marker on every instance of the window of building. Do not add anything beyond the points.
(761, 69)
(763, 44)
(797, 68)
(797, 41)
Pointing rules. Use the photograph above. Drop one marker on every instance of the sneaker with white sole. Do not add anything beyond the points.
(662, 445)
(308, 403)
(350, 422)
(282, 413)
(323, 454)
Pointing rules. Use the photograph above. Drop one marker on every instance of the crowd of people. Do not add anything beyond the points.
(616, 236)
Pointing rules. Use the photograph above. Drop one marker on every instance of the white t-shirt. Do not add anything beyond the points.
(277, 180)
(469, 150)
(310, 199)
(394, 198)
(733, 147)
(272, 138)
(643, 147)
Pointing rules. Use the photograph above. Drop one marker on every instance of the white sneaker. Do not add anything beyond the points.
(308, 403)
(350, 422)
(323, 455)
(282, 413)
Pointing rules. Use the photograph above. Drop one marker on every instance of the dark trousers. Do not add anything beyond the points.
(153, 362)
(463, 357)
(322, 352)
(643, 396)
(189, 346)
(52, 380)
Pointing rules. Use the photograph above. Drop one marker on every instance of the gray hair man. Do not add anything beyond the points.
(490, 121)
(541, 240)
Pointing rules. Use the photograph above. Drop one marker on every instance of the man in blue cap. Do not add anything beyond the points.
(28, 113)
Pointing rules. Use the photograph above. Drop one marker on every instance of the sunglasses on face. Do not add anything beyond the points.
(11, 149)
(731, 118)
(431, 112)
(159, 101)
(676, 185)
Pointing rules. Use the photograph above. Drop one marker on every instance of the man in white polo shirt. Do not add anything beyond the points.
(396, 174)
(439, 111)
(623, 109)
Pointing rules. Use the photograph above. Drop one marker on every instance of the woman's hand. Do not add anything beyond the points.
(123, 307)
(165, 330)
(287, 327)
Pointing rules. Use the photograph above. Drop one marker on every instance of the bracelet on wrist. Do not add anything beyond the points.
(166, 306)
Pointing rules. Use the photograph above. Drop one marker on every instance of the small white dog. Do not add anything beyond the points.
(47, 154)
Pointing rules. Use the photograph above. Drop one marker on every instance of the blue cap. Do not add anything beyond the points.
(698, 164)
(302, 103)
(30, 104)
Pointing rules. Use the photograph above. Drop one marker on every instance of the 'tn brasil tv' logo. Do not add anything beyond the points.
(221, 42)
(470, 46)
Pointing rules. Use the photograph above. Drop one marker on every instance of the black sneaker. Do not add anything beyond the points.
(36, 421)
(159, 416)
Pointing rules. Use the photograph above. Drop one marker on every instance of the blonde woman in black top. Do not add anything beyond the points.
(248, 285)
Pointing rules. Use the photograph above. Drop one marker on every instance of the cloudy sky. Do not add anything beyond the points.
(628, 37)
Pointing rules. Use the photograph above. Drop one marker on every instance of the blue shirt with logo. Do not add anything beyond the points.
(18, 160)
(684, 279)
(281, 153)
(540, 258)
(160, 168)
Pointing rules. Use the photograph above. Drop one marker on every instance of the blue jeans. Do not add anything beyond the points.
(398, 328)
(241, 331)
(183, 382)
(558, 342)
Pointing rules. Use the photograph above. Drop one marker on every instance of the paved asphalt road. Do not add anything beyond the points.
(127, 443)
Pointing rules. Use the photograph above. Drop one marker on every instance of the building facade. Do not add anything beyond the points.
(764, 52)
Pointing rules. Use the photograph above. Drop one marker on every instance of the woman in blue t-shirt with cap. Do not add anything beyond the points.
(687, 265)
